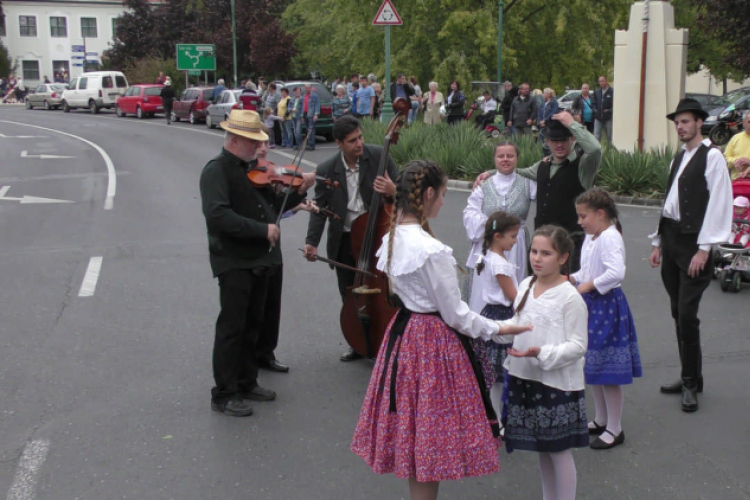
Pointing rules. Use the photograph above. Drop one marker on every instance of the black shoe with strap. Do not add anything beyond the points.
(599, 444)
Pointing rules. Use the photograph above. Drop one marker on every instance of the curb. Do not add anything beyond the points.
(622, 200)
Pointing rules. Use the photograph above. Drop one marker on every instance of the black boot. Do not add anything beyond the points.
(689, 395)
(676, 387)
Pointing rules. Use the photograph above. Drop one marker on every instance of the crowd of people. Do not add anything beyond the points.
(543, 320)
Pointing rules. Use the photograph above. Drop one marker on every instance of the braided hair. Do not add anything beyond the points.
(411, 184)
(562, 244)
(497, 223)
(597, 198)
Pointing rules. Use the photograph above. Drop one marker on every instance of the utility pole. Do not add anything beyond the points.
(84, 52)
(234, 45)
(500, 41)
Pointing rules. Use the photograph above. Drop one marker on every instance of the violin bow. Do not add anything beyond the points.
(342, 266)
(298, 163)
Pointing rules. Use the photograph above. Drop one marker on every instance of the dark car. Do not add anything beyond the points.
(719, 105)
(706, 100)
(192, 104)
(324, 125)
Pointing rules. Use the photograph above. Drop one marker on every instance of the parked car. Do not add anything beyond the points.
(46, 95)
(566, 101)
(324, 125)
(718, 107)
(94, 90)
(141, 100)
(219, 111)
(706, 100)
(192, 104)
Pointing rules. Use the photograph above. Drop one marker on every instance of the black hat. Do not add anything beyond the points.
(556, 131)
(689, 104)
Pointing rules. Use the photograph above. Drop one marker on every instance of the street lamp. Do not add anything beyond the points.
(500, 41)
(234, 45)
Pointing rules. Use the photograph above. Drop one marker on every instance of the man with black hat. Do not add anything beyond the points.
(697, 214)
(561, 177)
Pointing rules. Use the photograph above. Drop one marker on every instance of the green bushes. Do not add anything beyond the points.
(464, 152)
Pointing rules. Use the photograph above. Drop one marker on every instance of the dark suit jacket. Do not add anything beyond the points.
(603, 104)
(337, 199)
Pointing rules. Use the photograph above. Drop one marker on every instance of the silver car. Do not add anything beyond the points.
(219, 110)
(46, 95)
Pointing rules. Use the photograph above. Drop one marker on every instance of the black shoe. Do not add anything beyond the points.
(676, 387)
(258, 393)
(233, 408)
(310, 148)
(273, 365)
(598, 444)
(689, 398)
(350, 355)
(597, 429)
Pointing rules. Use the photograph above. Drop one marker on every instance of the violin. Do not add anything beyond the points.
(367, 309)
(266, 173)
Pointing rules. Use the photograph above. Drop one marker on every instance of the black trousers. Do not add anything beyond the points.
(242, 296)
(677, 250)
(268, 338)
(344, 276)
(575, 255)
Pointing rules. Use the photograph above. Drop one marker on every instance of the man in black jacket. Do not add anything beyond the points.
(401, 88)
(523, 112)
(355, 168)
(604, 98)
(243, 244)
(511, 92)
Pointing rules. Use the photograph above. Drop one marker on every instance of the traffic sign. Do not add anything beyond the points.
(76, 48)
(194, 72)
(387, 15)
(200, 57)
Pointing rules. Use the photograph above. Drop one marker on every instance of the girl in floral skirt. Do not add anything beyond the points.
(426, 415)
(613, 358)
(544, 400)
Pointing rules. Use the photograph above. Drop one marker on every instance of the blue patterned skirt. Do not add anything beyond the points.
(496, 353)
(540, 418)
(612, 357)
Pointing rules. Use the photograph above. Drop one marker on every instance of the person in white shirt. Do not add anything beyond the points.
(545, 408)
(426, 415)
(697, 214)
(489, 110)
(612, 358)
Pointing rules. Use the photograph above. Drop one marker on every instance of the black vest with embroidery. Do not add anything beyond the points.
(555, 199)
(692, 189)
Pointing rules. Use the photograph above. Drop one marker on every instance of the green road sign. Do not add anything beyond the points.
(194, 72)
(198, 57)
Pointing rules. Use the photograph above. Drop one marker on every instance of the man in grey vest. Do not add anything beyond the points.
(697, 214)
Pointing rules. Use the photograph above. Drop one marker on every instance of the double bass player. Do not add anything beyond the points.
(354, 167)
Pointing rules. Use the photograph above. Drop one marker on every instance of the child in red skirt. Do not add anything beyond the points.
(427, 415)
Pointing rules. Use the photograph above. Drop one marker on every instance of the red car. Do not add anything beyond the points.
(140, 100)
(192, 105)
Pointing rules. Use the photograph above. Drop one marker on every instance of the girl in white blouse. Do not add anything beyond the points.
(612, 359)
(544, 403)
(426, 415)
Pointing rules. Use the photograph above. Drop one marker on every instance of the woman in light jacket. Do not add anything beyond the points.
(432, 101)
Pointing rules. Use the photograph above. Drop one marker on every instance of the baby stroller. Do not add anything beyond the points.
(733, 258)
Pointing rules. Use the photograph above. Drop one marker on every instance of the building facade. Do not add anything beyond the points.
(57, 38)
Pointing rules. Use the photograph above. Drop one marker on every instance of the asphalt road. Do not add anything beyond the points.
(107, 396)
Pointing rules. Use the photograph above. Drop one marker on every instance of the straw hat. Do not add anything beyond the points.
(245, 123)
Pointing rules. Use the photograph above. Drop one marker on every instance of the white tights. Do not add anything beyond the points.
(558, 472)
(608, 402)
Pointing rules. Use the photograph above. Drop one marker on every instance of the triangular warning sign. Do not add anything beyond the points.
(387, 15)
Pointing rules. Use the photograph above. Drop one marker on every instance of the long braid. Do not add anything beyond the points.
(485, 247)
(497, 223)
(526, 295)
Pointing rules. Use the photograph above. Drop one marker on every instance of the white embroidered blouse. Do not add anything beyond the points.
(422, 272)
(494, 264)
(602, 260)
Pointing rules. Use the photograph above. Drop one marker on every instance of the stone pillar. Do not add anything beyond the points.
(665, 77)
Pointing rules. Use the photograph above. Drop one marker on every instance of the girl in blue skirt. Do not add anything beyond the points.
(612, 359)
(499, 290)
(544, 403)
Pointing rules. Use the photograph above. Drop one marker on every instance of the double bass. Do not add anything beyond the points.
(367, 311)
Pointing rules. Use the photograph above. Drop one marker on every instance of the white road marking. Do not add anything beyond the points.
(25, 479)
(109, 201)
(25, 154)
(21, 136)
(90, 278)
(29, 199)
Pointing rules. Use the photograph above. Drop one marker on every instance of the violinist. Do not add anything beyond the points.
(354, 167)
(244, 251)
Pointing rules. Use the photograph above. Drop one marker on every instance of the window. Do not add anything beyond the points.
(82, 83)
(115, 24)
(73, 83)
(30, 70)
(2, 25)
(61, 70)
(58, 27)
(153, 91)
(107, 82)
(40, 89)
(28, 25)
(88, 27)
(121, 81)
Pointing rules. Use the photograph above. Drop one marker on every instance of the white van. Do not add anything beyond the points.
(94, 90)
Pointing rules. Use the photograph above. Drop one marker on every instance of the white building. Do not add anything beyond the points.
(47, 37)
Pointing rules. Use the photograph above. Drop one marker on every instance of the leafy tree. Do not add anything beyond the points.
(726, 24)
(6, 64)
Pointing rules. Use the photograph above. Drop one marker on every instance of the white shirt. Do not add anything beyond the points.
(494, 265)
(355, 206)
(560, 320)
(717, 223)
(423, 274)
(489, 105)
(603, 260)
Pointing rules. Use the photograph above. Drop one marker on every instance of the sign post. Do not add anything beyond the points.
(387, 16)
(194, 58)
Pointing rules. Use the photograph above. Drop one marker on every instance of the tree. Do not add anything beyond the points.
(6, 64)
(727, 21)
